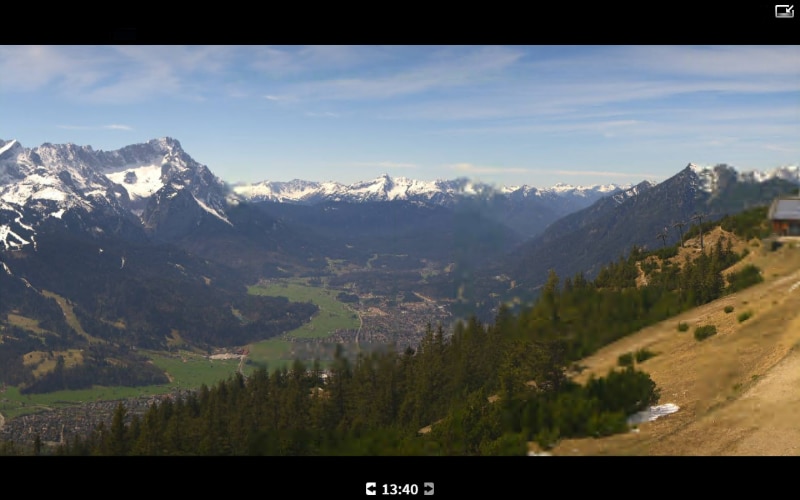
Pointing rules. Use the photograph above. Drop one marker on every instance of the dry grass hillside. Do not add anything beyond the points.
(737, 390)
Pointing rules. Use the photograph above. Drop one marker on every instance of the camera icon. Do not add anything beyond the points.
(784, 11)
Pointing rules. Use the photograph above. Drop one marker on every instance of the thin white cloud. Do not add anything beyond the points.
(522, 99)
(714, 61)
(237, 93)
(295, 61)
(386, 164)
(325, 114)
(441, 71)
(26, 68)
(74, 127)
(113, 74)
(746, 121)
(476, 169)
(596, 173)
(781, 148)
(469, 168)
(495, 81)
(96, 127)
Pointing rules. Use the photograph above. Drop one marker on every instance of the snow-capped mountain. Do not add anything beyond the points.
(711, 177)
(525, 209)
(135, 184)
(632, 191)
(156, 188)
(386, 188)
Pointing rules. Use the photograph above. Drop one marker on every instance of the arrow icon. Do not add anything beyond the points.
(784, 11)
(427, 489)
(371, 488)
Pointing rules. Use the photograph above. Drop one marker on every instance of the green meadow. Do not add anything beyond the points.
(332, 315)
(188, 370)
(195, 371)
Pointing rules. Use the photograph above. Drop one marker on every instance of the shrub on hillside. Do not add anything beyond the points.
(625, 359)
(626, 391)
(682, 327)
(703, 332)
(744, 316)
(606, 424)
(666, 253)
(728, 309)
(748, 276)
(643, 355)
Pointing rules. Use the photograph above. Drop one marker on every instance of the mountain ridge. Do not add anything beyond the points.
(587, 239)
(386, 188)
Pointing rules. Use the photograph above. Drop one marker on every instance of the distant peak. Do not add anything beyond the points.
(166, 143)
(694, 167)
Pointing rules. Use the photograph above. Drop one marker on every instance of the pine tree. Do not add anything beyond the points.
(117, 438)
(549, 298)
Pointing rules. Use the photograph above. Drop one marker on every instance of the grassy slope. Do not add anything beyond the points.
(734, 389)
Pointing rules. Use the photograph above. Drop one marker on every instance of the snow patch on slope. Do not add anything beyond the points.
(211, 211)
(706, 175)
(10, 239)
(633, 191)
(7, 146)
(140, 181)
(49, 193)
(652, 413)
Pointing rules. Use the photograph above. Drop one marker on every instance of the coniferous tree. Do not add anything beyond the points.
(117, 437)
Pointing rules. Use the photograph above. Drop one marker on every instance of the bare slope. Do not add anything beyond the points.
(736, 390)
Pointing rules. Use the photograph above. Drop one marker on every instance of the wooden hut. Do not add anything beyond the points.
(784, 215)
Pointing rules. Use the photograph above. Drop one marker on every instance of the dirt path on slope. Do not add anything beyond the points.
(736, 390)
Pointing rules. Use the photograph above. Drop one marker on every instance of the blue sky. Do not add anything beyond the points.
(509, 115)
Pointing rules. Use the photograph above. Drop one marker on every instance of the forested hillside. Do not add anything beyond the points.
(486, 388)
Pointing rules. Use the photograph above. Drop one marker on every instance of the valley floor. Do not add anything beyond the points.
(736, 390)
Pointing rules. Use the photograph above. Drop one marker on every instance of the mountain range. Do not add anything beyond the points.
(147, 237)
(139, 183)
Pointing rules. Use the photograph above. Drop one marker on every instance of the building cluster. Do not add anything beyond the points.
(56, 426)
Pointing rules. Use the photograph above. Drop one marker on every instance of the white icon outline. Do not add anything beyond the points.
(784, 11)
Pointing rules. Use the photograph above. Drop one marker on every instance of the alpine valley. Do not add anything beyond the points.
(107, 255)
